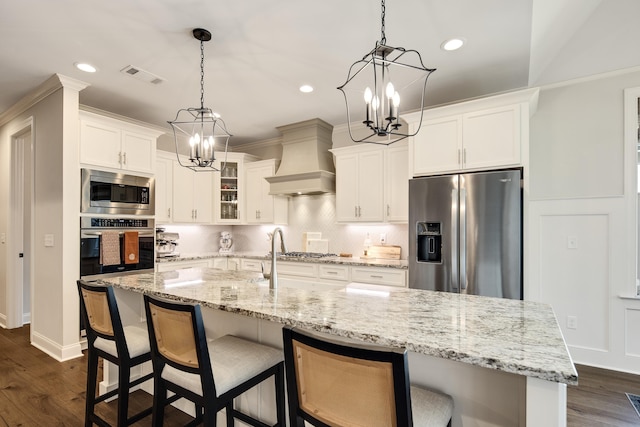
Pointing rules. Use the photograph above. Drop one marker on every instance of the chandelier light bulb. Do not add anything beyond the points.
(396, 99)
(374, 103)
(368, 95)
(390, 90)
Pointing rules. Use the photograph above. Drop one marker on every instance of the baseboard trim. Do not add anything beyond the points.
(53, 349)
(3, 321)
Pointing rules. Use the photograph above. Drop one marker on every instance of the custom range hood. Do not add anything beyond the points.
(307, 165)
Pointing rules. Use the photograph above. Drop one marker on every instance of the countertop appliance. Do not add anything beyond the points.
(116, 193)
(166, 243)
(465, 233)
(92, 263)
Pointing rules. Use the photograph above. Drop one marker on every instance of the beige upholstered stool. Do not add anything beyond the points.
(125, 347)
(210, 374)
(334, 383)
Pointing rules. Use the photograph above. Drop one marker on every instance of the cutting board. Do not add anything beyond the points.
(384, 252)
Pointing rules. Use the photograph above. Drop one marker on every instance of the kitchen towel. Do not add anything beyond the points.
(110, 248)
(131, 247)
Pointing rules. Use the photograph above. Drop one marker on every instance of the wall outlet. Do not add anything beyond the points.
(383, 238)
(48, 240)
(572, 322)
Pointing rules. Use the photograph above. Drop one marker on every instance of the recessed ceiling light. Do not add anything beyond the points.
(452, 44)
(306, 89)
(87, 68)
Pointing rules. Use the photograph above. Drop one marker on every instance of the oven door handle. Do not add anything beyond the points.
(90, 234)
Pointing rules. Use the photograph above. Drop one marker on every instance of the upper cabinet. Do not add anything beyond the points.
(164, 187)
(116, 144)
(261, 207)
(372, 183)
(192, 192)
(229, 189)
(485, 133)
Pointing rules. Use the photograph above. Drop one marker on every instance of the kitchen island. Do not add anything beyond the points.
(504, 362)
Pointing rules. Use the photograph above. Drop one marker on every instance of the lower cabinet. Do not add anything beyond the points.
(175, 265)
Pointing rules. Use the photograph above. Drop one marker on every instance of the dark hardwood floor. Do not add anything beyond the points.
(36, 390)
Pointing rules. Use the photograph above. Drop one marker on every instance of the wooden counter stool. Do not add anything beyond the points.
(334, 383)
(125, 347)
(208, 373)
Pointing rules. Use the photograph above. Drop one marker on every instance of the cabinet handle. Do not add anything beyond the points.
(388, 210)
(459, 157)
(332, 272)
(359, 211)
(196, 213)
(169, 213)
(374, 276)
(464, 156)
(120, 157)
(125, 157)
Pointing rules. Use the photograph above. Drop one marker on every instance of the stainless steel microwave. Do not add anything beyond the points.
(116, 193)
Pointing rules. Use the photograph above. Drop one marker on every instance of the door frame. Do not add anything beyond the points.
(20, 150)
(631, 96)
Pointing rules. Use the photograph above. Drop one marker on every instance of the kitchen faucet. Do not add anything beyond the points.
(273, 277)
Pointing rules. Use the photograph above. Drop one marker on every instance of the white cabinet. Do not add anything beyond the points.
(178, 265)
(115, 144)
(248, 264)
(229, 189)
(261, 207)
(396, 183)
(164, 187)
(379, 276)
(480, 134)
(359, 184)
(191, 195)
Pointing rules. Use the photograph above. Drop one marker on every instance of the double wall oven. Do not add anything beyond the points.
(117, 228)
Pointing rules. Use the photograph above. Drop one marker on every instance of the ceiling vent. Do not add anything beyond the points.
(141, 74)
(307, 164)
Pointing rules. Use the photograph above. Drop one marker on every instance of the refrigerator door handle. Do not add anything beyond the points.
(455, 283)
(463, 239)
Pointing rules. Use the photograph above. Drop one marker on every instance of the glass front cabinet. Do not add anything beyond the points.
(230, 189)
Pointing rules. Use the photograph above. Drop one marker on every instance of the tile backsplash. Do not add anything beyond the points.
(314, 213)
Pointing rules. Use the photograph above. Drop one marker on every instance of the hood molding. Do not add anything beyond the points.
(307, 164)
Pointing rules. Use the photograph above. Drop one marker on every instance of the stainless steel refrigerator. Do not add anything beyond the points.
(465, 233)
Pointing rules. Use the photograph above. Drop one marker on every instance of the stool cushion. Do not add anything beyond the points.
(137, 339)
(233, 361)
(430, 408)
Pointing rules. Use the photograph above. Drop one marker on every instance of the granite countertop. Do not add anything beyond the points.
(356, 261)
(519, 337)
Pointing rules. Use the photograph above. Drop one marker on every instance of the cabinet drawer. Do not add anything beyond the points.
(219, 263)
(333, 272)
(250, 264)
(297, 269)
(177, 265)
(379, 276)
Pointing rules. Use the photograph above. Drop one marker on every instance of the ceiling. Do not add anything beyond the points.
(261, 52)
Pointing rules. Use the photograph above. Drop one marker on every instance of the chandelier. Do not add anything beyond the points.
(204, 128)
(375, 86)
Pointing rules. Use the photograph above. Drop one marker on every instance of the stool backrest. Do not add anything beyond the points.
(100, 311)
(334, 383)
(177, 337)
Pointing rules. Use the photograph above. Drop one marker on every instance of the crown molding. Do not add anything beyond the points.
(46, 88)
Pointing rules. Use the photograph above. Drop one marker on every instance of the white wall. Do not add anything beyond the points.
(577, 190)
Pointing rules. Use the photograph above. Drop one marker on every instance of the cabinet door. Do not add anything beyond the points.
(164, 189)
(370, 186)
(256, 211)
(437, 146)
(202, 196)
(396, 195)
(99, 144)
(346, 187)
(492, 137)
(182, 194)
(138, 152)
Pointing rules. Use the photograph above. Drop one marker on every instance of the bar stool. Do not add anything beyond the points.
(125, 347)
(334, 383)
(209, 374)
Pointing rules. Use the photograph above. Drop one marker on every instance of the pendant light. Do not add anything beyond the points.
(377, 84)
(205, 130)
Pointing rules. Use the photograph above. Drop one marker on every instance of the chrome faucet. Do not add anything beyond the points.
(273, 277)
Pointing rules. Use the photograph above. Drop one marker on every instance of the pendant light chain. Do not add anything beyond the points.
(201, 74)
(383, 36)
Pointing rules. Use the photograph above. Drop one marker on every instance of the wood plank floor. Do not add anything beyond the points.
(36, 390)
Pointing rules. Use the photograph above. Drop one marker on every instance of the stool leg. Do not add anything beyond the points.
(229, 411)
(159, 401)
(124, 372)
(280, 404)
(92, 379)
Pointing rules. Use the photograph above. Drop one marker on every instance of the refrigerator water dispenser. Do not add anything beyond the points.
(429, 242)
